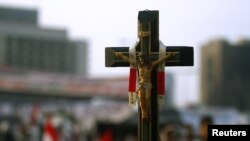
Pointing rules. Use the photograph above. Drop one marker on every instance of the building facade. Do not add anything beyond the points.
(26, 46)
(225, 77)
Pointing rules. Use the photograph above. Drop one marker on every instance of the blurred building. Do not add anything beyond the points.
(225, 77)
(26, 46)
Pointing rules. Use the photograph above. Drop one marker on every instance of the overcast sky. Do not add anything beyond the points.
(114, 23)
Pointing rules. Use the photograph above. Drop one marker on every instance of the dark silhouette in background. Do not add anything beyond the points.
(203, 129)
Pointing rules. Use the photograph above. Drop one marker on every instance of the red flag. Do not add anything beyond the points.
(50, 132)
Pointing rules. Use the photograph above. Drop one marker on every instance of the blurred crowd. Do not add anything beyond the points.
(63, 125)
(186, 132)
(45, 126)
(52, 127)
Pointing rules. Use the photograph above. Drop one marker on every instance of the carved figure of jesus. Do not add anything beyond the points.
(144, 78)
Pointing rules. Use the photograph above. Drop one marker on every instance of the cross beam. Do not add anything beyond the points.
(183, 57)
(148, 33)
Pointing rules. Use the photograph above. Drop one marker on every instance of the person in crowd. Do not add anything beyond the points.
(169, 132)
(23, 132)
(76, 133)
(5, 131)
(189, 133)
(50, 132)
(35, 123)
(203, 129)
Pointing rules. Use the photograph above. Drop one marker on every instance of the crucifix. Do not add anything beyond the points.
(147, 60)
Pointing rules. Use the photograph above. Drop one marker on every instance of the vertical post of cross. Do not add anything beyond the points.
(148, 33)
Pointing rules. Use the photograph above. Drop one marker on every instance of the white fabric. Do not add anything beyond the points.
(161, 67)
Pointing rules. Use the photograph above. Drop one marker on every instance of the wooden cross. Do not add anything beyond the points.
(148, 47)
